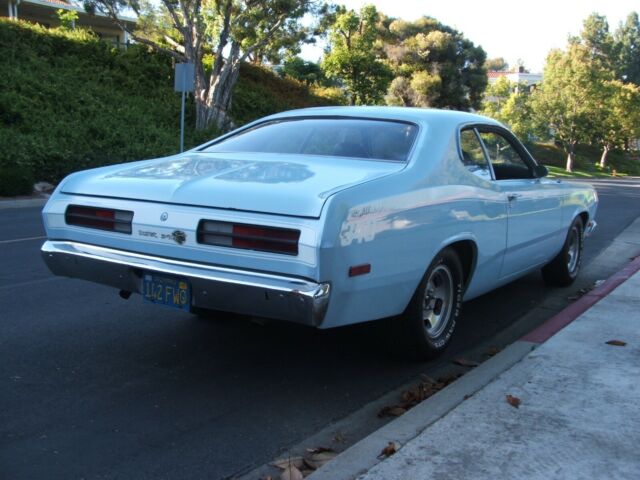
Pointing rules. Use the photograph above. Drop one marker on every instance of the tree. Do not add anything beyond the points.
(497, 64)
(303, 71)
(569, 100)
(597, 40)
(510, 103)
(627, 38)
(223, 33)
(352, 59)
(438, 66)
(620, 118)
(67, 18)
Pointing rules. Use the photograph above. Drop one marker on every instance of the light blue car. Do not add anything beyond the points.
(327, 217)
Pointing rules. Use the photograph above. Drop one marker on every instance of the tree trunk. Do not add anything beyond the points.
(605, 154)
(569, 167)
(570, 149)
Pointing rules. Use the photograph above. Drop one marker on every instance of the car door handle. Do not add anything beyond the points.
(513, 196)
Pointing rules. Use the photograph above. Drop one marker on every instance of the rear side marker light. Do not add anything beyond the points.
(99, 218)
(356, 270)
(249, 237)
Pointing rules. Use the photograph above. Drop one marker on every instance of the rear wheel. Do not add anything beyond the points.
(564, 268)
(425, 328)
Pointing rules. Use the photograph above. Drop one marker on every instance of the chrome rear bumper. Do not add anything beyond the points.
(219, 288)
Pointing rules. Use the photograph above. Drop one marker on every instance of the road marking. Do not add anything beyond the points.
(30, 282)
(15, 240)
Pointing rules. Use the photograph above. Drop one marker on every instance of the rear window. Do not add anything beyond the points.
(355, 138)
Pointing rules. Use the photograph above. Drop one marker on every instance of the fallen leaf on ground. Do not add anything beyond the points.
(284, 463)
(493, 351)
(513, 401)
(616, 343)
(320, 450)
(291, 473)
(416, 394)
(389, 450)
(463, 362)
(317, 460)
(339, 437)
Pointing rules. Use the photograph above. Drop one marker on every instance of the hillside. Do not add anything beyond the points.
(69, 101)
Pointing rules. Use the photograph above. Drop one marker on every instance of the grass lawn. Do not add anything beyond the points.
(595, 172)
(586, 165)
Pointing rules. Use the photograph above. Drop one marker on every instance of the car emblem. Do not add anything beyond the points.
(179, 236)
(164, 216)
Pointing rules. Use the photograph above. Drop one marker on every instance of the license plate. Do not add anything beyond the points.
(170, 291)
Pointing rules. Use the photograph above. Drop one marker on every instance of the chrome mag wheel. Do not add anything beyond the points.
(573, 249)
(438, 300)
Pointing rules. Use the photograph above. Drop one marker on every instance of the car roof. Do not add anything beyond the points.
(410, 114)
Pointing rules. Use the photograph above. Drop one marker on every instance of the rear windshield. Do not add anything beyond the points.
(355, 138)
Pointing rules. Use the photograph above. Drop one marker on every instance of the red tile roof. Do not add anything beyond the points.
(66, 3)
(499, 74)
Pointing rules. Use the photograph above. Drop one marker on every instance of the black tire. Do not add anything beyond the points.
(424, 330)
(564, 268)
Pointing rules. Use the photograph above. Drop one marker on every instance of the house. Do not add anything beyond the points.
(44, 12)
(520, 76)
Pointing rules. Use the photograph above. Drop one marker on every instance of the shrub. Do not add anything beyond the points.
(15, 180)
(70, 101)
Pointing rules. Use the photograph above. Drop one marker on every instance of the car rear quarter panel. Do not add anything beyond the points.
(579, 198)
(399, 223)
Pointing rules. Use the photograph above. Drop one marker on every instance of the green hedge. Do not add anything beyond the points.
(69, 101)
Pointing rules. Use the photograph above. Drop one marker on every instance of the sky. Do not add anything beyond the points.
(510, 29)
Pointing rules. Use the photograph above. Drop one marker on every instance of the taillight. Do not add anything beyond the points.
(251, 237)
(100, 218)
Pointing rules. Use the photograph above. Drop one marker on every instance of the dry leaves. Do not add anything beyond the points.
(339, 438)
(493, 351)
(416, 394)
(284, 463)
(616, 343)
(296, 468)
(389, 450)
(291, 473)
(463, 362)
(513, 401)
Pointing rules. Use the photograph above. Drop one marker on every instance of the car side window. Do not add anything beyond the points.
(507, 163)
(472, 154)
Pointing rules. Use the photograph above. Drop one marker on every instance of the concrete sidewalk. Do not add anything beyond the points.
(578, 414)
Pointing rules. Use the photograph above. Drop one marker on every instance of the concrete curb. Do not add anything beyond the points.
(363, 456)
(584, 303)
(22, 203)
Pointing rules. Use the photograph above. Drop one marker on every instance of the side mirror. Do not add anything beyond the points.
(540, 171)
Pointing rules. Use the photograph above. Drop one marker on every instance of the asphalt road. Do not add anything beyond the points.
(93, 386)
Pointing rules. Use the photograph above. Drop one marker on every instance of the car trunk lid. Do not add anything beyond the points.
(267, 183)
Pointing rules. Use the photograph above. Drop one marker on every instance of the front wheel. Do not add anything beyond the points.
(425, 328)
(564, 268)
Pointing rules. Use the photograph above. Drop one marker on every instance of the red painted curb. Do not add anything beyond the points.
(569, 314)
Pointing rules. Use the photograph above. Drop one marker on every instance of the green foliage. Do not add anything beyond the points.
(259, 92)
(627, 38)
(510, 103)
(496, 65)
(352, 59)
(67, 18)
(569, 100)
(303, 71)
(434, 65)
(70, 101)
(15, 180)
